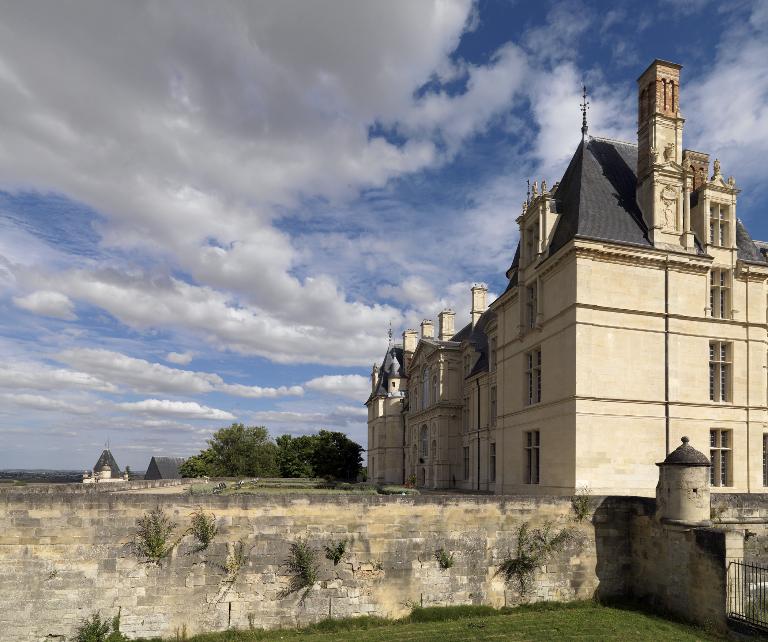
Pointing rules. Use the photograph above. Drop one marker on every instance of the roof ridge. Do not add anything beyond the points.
(613, 140)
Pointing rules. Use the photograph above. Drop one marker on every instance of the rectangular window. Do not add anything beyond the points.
(492, 463)
(466, 462)
(719, 290)
(765, 459)
(532, 444)
(532, 243)
(533, 376)
(492, 355)
(465, 415)
(721, 456)
(718, 225)
(493, 405)
(719, 371)
(531, 304)
(466, 365)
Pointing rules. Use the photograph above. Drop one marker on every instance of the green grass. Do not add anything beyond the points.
(300, 487)
(545, 622)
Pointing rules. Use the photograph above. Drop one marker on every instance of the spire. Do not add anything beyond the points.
(584, 107)
(389, 335)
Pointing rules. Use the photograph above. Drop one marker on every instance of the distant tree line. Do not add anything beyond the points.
(249, 451)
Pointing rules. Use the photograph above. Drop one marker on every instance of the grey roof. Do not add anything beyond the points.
(596, 199)
(747, 249)
(685, 455)
(596, 196)
(392, 366)
(164, 468)
(106, 459)
(479, 341)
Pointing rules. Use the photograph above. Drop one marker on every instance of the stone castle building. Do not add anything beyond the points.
(635, 313)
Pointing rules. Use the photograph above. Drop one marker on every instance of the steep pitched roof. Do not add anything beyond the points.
(596, 196)
(392, 365)
(747, 249)
(164, 468)
(106, 459)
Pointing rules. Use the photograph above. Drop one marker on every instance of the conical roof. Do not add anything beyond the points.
(685, 455)
(106, 459)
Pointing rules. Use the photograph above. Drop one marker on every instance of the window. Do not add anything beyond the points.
(424, 388)
(466, 365)
(532, 243)
(720, 455)
(718, 225)
(492, 463)
(493, 405)
(531, 304)
(718, 294)
(435, 390)
(466, 462)
(465, 415)
(424, 439)
(765, 459)
(719, 371)
(533, 375)
(492, 355)
(532, 457)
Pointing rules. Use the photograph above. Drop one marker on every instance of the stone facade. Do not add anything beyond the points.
(635, 313)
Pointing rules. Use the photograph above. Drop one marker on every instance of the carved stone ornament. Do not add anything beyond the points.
(669, 199)
(716, 168)
(654, 153)
(669, 152)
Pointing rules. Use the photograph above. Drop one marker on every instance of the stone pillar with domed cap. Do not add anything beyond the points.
(682, 494)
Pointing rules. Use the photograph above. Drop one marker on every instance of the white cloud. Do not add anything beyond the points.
(180, 358)
(37, 376)
(47, 404)
(166, 407)
(143, 376)
(351, 386)
(47, 303)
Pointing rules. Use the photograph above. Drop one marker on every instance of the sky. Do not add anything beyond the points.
(212, 212)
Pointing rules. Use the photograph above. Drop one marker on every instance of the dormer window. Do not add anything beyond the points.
(532, 242)
(718, 225)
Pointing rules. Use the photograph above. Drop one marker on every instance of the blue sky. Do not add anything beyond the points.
(212, 213)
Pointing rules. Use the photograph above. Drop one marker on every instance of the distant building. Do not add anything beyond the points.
(106, 459)
(164, 468)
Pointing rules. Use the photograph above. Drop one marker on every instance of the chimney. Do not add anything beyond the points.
(427, 329)
(445, 319)
(479, 301)
(410, 339)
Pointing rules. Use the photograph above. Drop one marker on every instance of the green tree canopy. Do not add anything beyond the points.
(200, 465)
(294, 455)
(240, 451)
(336, 455)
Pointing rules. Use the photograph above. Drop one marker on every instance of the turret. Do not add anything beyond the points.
(682, 494)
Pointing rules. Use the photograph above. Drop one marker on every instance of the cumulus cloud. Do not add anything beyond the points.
(45, 403)
(38, 376)
(166, 407)
(180, 358)
(47, 303)
(351, 386)
(140, 375)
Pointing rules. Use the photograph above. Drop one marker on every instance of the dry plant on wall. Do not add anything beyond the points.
(534, 548)
(203, 528)
(302, 568)
(335, 551)
(444, 558)
(582, 503)
(152, 539)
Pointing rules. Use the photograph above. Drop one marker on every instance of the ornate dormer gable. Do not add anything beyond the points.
(713, 211)
(536, 223)
(661, 180)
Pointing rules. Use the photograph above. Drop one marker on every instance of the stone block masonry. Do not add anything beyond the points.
(65, 555)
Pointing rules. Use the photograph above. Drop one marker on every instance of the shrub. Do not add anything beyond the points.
(236, 559)
(153, 534)
(444, 558)
(302, 567)
(94, 629)
(582, 503)
(335, 551)
(533, 549)
(203, 528)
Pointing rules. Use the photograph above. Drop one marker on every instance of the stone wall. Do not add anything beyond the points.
(64, 555)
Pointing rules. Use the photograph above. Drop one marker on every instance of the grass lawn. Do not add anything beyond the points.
(576, 621)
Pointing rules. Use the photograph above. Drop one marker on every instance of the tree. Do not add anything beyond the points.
(336, 455)
(200, 465)
(294, 455)
(243, 451)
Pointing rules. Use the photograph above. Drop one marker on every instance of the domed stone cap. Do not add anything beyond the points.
(685, 455)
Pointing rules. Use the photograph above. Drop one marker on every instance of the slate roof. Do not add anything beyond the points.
(393, 365)
(106, 459)
(597, 200)
(164, 468)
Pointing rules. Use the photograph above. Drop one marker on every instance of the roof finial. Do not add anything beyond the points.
(584, 107)
(389, 334)
(528, 192)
